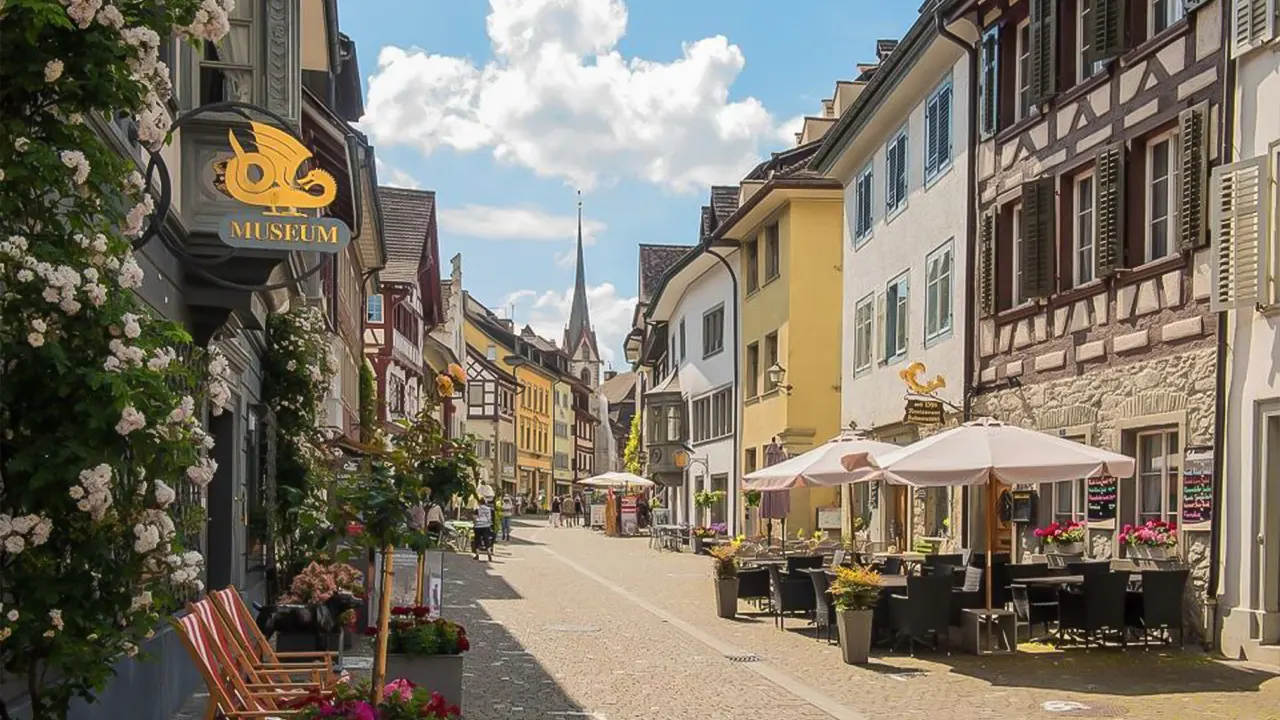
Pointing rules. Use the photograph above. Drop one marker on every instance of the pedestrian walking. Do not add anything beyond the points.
(508, 509)
(482, 529)
(555, 511)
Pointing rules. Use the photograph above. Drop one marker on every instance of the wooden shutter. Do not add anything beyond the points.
(1109, 218)
(1107, 32)
(881, 337)
(943, 156)
(1039, 217)
(1253, 23)
(931, 135)
(1044, 49)
(989, 85)
(1193, 153)
(987, 265)
(1241, 235)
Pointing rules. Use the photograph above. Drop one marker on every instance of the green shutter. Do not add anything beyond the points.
(1044, 49)
(1193, 155)
(1039, 215)
(989, 87)
(1108, 33)
(1109, 214)
(987, 265)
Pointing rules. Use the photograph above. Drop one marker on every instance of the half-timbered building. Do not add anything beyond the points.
(491, 418)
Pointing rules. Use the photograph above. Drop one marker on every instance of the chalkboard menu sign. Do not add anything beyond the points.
(1197, 486)
(1102, 498)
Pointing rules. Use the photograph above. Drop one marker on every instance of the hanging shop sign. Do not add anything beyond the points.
(922, 411)
(923, 408)
(273, 178)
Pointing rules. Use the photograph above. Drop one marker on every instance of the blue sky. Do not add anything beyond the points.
(505, 108)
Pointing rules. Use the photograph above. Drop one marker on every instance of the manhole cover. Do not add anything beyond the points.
(743, 657)
(573, 628)
(1075, 708)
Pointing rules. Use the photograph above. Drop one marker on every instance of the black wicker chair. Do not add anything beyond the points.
(924, 611)
(1088, 567)
(803, 562)
(1032, 604)
(1094, 610)
(753, 585)
(929, 565)
(824, 615)
(789, 594)
(1160, 605)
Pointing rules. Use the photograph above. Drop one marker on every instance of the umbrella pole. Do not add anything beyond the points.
(991, 509)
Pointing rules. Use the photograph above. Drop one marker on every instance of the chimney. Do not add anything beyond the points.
(610, 374)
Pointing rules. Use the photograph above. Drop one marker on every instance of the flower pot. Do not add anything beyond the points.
(437, 673)
(726, 597)
(695, 543)
(854, 628)
(1148, 552)
(1073, 548)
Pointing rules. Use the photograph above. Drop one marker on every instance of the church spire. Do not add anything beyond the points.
(579, 318)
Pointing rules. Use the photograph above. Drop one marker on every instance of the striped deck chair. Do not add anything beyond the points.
(230, 696)
(244, 632)
(253, 669)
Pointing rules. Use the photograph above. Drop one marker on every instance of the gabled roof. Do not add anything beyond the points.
(788, 163)
(406, 218)
(619, 388)
(655, 260)
(724, 200)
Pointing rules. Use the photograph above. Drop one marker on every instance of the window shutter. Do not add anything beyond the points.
(1108, 33)
(1044, 49)
(944, 128)
(1038, 233)
(932, 135)
(881, 337)
(1253, 23)
(891, 175)
(1109, 211)
(987, 265)
(1193, 153)
(988, 89)
(1238, 247)
(905, 325)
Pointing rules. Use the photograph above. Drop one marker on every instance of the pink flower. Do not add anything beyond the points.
(401, 687)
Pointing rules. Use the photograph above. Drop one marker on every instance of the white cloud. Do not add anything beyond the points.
(559, 98)
(548, 314)
(788, 130)
(519, 222)
(395, 177)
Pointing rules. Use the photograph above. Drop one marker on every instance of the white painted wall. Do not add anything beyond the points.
(700, 376)
(1249, 601)
(933, 215)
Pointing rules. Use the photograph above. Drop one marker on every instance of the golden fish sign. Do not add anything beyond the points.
(277, 186)
(909, 375)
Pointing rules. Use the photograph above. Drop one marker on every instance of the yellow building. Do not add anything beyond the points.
(564, 442)
(788, 229)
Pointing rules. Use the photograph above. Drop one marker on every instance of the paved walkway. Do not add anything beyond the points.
(566, 623)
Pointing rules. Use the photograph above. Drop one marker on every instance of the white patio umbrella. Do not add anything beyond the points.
(822, 466)
(986, 451)
(616, 480)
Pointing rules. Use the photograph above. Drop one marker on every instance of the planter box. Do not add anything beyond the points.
(438, 673)
(308, 642)
(1075, 548)
(726, 597)
(854, 628)
(1148, 552)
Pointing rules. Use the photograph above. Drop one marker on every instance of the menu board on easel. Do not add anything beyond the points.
(1102, 498)
(1197, 486)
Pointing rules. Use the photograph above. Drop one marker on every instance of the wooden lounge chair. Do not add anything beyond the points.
(315, 677)
(229, 695)
(244, 633)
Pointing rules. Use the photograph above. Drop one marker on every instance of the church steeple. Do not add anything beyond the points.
(579, 318)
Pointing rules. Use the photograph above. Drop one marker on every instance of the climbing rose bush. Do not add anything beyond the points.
(103, 459)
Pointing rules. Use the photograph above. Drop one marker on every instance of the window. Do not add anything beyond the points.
(1159, 479)
(395, 396)
(748, 461)
(1018, 285)
(862, 333)
(1084, 248)
(700, 419)
(896, 318)
(1068, 501)
(752, 377)
(989, 81)
(713, 331)
(772, 253)
(491, 353)
(753, 266)
(719, 512)
(1163, 14)
(226, 68)
(937, 292)
(1160, 199)
(682, 344)
(562, 430)
(937, 132)
(1022, 72)
(895, 182)
(475, 394)
(770, 358)
(862, 216)
(1084, 41)
(722, 409)
(373, 308)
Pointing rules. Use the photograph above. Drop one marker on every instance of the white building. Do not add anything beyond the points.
(696, 302)
(1246, 256)
(900, 147)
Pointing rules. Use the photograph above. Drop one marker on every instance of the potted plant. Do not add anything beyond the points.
(726, 578)
(321, 601)
(700, 533)
(1153, 540)
(401, 700)
(425, 651)
(705, 499)
(1064, 538)
(855, 592)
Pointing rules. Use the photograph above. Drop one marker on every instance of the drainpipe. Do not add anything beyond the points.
(737, 388)
(971, 231)
(1225, 155)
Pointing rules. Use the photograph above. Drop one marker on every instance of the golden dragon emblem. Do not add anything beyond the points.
(910, 375)
(278, 160)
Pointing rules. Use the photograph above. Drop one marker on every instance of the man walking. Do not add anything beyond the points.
(508, 509)
(482, 535)
(555, 511)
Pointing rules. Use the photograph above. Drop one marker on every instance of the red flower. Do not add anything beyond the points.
(371, 631)
(463, 643)
(421, 611)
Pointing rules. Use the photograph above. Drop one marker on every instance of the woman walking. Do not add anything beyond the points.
(555, 511)
(508, 509)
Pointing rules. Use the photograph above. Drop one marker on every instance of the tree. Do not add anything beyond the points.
(633, 460)
(103, 458)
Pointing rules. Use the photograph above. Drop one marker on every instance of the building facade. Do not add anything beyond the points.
(1091, 271)
(491, 418)
(564, 442)
(585, 426)
(900, 148)
(1245, 259)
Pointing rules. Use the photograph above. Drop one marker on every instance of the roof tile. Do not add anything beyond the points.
(406, 217)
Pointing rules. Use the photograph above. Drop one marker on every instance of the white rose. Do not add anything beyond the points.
(52, 70)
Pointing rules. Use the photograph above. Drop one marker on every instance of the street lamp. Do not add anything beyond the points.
(775, 374)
